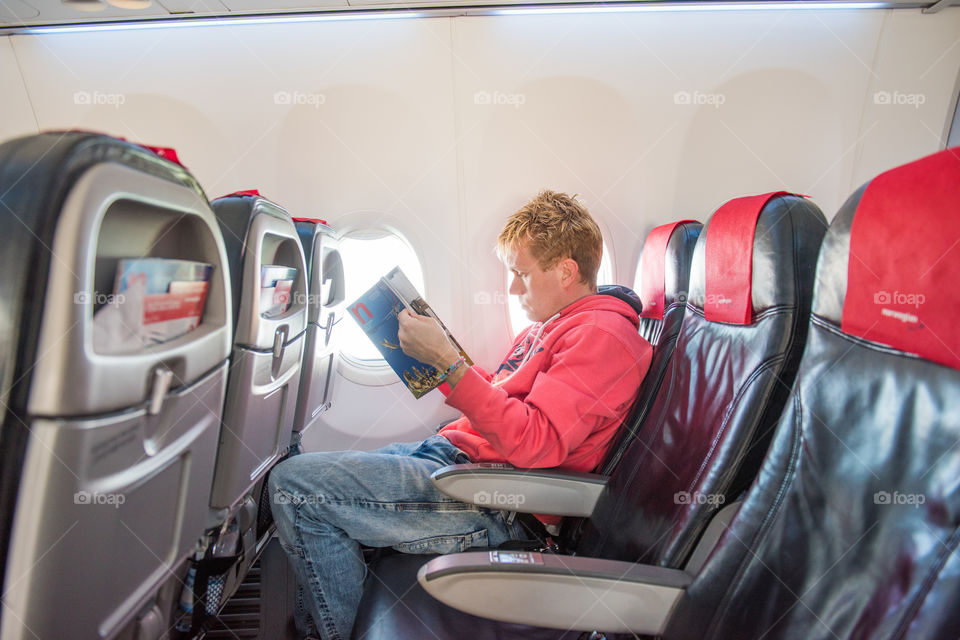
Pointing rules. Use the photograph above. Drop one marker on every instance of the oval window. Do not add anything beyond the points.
(367, 256)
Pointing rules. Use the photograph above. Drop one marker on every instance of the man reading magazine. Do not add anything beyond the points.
(556, 400)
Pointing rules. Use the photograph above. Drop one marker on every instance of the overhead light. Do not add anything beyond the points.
(131, 4)
(652, 7)
(392, 14)
(84, 5)
(175, 23)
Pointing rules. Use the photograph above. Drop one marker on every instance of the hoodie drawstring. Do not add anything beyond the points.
(536, 339)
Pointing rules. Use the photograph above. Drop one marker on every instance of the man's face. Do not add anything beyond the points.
(540, 292)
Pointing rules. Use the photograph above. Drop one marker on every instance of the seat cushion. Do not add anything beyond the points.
(395, 606)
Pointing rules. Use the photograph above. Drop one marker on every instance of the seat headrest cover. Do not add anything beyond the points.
(239, 194)
(653, 288)
(164, 152)
(313, 220)
(729, 258)
(622, 293)
(905, 260)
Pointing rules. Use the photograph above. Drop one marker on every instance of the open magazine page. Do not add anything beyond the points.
(406, 292)
(376, 312)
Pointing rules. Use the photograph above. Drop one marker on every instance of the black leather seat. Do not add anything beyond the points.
(852, 528)
(706, 430)
(665, 276)
(664, 279)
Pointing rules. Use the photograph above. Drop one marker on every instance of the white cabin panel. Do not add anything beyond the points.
(909, 106)
(16, 114)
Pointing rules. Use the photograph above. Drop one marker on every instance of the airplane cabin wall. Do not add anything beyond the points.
(16, 114)
(439, 128)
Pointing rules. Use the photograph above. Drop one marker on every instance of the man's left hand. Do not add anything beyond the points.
(422, 338)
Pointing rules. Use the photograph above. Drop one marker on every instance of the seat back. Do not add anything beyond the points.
(107, 453)
(324, 310)
(267, 349)
(735, 358)
(665, 275)
(852, 528)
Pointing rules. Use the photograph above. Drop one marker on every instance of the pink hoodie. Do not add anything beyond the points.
(561, 392)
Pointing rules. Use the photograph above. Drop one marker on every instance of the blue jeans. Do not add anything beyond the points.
(327, 504)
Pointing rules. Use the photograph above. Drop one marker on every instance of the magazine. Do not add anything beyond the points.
(376, 313)
(276, 282)
(155, 300)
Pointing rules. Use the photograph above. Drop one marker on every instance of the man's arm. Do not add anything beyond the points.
(592, 379)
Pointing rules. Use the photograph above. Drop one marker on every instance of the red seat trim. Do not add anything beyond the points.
(729, 259)
(905, 260)
(653, 286)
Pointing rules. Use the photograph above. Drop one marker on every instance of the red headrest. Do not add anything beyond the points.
(165, 152)
(905, 260)
(248, 192)
(652, 263)
(313, 220)
(729, 259)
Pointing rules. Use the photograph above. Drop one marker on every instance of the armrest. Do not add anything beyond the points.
(558, 592)
(501, 486)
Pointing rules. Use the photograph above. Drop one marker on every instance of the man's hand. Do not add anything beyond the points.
(422, 338)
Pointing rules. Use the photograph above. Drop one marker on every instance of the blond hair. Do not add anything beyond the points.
(555, 226)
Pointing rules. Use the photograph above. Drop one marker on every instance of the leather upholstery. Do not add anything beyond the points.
(662, 334)
(852, 526)
(420, 616)
(725, 386)
(723, 390)
(235, 213)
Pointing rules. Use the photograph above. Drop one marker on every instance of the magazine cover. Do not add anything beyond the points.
(156, 299)
(276, 282)
(376, 313)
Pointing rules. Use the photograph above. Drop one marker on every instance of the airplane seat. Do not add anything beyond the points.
(107, 445)
(852, 528)
(324, 310)
(268, 342)
(270, 316)
(664, 278)
(740, 340)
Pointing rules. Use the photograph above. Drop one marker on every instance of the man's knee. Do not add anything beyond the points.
(293, 474)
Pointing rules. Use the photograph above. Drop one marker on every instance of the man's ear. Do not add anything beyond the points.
(569, 272)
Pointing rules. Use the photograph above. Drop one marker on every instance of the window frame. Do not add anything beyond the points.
(362, 371)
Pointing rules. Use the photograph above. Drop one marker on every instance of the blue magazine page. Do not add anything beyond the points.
(376, 313)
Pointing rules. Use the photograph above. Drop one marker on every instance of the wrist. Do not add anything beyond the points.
(446, 360)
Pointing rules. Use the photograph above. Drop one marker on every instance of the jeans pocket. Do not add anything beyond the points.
(445, 544)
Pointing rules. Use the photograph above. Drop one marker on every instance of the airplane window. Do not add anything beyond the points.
(518, 318)
(367, 256)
